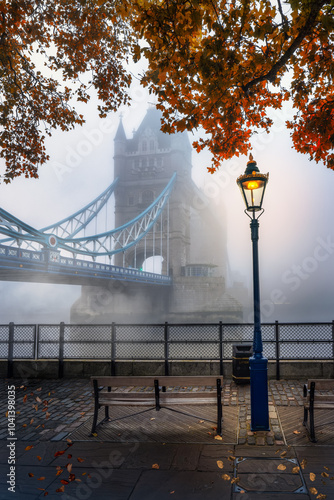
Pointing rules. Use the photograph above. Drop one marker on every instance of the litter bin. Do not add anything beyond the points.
(240, 363)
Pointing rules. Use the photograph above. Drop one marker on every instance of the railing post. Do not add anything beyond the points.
(166, 341)
(277, 350)
(113, 350)
(10, 350)
(221, 351)
(61, 350)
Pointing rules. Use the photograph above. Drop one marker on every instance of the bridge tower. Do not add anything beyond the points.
(144, 164)
(196, 255)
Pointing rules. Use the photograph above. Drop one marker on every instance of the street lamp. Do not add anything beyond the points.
(252, 185)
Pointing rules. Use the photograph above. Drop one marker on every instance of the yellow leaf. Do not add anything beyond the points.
(312, 476)
(313, 491)
(324, 474)
(281, 467)
(220, 464)
(219, 438)
(226, 477)
(295, 470)
(155, 466)
(321, 496)
(296, 432)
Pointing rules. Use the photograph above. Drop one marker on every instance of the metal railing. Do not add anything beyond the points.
(165, 342)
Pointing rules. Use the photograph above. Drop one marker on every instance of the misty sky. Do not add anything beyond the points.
(296, 230)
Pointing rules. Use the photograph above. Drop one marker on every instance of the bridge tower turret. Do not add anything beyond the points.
(144, 164)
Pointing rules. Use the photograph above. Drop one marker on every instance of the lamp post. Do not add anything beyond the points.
(252, 185)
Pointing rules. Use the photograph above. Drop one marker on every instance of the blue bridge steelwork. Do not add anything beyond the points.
(29, 254)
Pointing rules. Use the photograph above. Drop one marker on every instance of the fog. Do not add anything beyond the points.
(296, 245)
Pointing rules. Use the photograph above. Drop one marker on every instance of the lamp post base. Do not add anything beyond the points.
(259, 394)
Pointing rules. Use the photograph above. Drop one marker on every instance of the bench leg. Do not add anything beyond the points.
(312, 430)
(219, 408)
(305, 417)
(96, 406)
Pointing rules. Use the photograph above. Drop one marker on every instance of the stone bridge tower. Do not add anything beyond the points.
(197, 256)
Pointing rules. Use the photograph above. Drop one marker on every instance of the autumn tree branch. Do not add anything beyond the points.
(271, 75)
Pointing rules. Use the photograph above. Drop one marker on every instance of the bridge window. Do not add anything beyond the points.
(199, 270)
(144, 146)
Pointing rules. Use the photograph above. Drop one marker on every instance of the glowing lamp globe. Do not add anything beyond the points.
(252, 185)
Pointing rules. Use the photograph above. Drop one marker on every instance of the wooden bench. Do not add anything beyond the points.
(118, 390)
(313, 401)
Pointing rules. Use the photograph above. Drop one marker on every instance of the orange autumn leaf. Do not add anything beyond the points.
(69, 467)
(39, 458)
(281, 467)
(313, 491)
(220, 464)
(226, 477)
(30, 474)
(312, 476)
(41, 478)
(58, 453)
(80, 459)
(64, 481)
(25, 398)
(60, 471)
(61, 489)
(155, 466)
(27, 448)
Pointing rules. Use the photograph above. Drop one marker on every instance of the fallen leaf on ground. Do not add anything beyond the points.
(220, 464)
(295, 470)
(313, 491)
(155, 466)
(219, 438)
(226, 477)
(312, 476)
(58, 453)
(80, 459)
(281, 467)
(28, 448)
(296, 432)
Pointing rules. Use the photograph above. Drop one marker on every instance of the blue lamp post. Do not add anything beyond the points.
(252, 185)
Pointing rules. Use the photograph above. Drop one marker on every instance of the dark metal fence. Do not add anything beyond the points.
(166, 342)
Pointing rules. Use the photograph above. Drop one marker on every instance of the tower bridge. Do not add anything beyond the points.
(159, 213)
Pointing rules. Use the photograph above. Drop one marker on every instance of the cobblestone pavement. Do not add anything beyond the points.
(52, 409)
